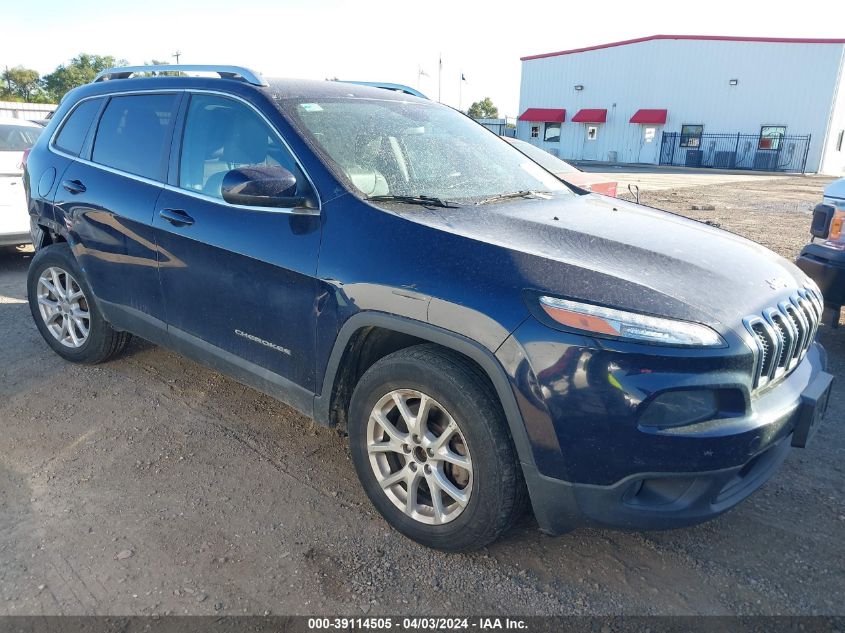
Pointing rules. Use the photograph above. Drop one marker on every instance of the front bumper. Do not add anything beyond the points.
(651, 501)
(826, 267)
(594, 465)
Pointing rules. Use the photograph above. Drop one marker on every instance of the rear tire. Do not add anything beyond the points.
(458, 459)
(64, 309)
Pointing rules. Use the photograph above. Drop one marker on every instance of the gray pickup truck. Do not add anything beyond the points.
(823, 259)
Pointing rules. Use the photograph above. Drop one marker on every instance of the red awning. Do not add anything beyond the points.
(543, 115)
(654, 117)
(590, 116)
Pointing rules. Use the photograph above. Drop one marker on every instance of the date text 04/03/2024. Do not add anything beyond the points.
(418, 623)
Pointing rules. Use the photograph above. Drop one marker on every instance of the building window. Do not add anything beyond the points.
(691, 135)
(552, 132)
(771, 136)
(592, 132)
(839, 140)
(535, 131)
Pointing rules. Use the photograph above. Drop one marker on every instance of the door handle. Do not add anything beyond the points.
(176, 217)
(73, 186)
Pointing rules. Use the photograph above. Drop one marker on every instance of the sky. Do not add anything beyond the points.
(381, 40)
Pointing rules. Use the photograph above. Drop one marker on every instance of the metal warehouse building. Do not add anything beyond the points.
(772, 104)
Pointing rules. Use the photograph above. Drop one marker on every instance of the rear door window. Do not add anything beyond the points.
(76, 126)
(134, 134)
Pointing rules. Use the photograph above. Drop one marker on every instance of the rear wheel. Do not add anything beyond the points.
(430, 444)
(64, 312)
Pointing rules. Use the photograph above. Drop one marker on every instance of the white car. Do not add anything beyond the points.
(16, 136)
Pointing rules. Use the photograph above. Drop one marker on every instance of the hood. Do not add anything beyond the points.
(835, 191)
(624, 255)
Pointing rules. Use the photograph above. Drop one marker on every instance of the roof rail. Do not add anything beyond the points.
(387, 86)
(225, 72)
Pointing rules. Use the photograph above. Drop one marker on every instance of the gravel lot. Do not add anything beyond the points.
(151, 485)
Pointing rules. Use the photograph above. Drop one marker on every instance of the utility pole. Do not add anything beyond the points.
(440, 78)
(177, 55)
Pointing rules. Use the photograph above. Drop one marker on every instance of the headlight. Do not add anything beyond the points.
(603, 321)
(836, 234)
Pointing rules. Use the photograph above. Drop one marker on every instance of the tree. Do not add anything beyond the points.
(20, 83)
(81, 70)
(483, 109)
(161, 73)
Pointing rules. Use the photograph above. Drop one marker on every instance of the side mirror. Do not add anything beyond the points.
(822, 216)
(261, 186)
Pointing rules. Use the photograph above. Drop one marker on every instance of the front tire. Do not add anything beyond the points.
(431, 447)
(65, 313)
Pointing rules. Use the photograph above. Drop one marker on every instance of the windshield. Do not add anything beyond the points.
(17, 138)
(398, 148)
(543, 158)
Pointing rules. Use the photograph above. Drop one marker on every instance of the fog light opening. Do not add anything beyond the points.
(679, 408)
(659, 491)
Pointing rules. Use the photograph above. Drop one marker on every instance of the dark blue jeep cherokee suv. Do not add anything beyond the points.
(487, 335)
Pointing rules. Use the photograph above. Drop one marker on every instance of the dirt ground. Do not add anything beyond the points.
(773, 211)
(151, 485)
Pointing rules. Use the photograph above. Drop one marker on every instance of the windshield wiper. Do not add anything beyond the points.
(505, 196)
(428, 201)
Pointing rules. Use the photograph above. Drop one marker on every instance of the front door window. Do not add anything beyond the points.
(223, 134)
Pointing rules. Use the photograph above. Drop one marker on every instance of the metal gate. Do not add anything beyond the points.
(736, 151)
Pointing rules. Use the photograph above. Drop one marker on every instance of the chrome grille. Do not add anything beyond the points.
(778, 321)
(765, 343)
(799, 326)
(783, 334)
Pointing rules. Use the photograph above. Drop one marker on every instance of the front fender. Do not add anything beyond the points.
(434, 334)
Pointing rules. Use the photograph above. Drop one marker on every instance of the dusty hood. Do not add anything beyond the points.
(624, 255)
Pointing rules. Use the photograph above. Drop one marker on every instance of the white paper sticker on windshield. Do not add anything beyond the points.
(311, 107)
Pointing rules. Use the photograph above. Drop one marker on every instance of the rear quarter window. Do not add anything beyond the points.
(134, 134)
(76, 126)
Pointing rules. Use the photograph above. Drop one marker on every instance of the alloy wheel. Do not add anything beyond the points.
(63, 307)
(419, 456)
